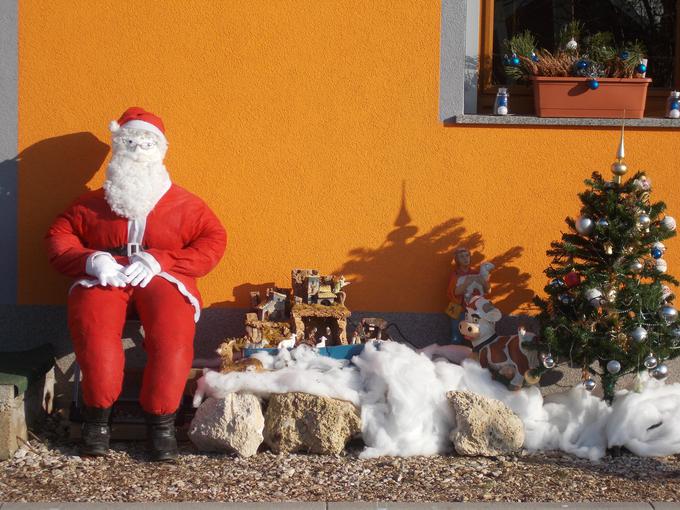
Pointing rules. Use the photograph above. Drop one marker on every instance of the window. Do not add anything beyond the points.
(652, 22)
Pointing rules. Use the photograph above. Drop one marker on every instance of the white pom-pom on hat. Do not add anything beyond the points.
(114, 127)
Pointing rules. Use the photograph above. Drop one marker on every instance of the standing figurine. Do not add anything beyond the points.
(311, 337)
(338, 285)
(465, 283)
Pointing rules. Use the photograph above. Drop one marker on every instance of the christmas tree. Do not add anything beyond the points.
(608, 310)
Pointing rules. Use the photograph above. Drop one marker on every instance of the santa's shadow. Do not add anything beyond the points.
(50, 175)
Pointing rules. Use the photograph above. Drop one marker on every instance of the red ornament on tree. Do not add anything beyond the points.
(572, 279)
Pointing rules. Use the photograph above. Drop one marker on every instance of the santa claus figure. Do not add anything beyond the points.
(138, 243)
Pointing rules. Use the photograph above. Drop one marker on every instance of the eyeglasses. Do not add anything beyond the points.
(142, 144)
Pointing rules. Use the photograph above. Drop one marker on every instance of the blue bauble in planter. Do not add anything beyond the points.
(641, 68)
(593, 84)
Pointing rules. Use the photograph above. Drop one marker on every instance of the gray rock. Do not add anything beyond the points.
(231, 424)
(299, 422)
(484, 426)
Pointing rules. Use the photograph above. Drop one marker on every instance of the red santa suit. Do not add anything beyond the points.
(186, 241)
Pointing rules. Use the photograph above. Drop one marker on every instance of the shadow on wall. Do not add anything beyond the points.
(404, 280)
(409, 268)
(52, 173)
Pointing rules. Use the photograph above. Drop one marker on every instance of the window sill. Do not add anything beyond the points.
(528, 120)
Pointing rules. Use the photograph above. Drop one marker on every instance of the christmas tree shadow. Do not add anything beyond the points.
(410, 271)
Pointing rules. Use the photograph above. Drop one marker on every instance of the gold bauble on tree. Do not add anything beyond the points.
(619, 169)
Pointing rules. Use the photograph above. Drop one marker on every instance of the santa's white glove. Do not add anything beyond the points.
(142, 269)
(104, 268)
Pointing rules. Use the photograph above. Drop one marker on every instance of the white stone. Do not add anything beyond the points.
(299, 422)
(484, 426)
(231, 424)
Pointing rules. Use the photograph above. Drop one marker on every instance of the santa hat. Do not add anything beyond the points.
(139, 118)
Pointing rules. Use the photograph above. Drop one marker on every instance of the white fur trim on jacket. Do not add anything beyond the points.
(146, 126)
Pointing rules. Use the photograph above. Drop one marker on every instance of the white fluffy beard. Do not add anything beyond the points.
(133, 186)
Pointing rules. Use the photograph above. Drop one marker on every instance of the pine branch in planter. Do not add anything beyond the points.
(599, 57)
(571, 30)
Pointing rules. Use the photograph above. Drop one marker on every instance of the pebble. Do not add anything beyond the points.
(546, 476)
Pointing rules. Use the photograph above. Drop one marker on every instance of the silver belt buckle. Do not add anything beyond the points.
(133, 248)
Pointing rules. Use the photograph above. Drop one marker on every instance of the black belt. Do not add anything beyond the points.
(126, 250)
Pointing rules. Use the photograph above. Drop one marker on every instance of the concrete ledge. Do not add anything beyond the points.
(528, 120)
(322, 505)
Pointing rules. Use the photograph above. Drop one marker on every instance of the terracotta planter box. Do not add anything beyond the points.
(571, 97)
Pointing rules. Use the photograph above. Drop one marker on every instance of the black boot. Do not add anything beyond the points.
(96, 433)
(161, 435)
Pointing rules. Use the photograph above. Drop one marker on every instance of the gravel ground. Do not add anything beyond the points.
(48, 469)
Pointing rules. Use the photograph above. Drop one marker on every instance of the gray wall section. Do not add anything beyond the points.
(8, 150)
(452, 59)
(24, 327)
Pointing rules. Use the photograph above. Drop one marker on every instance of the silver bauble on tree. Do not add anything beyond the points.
(593, 296)
(549, 361)
(668, 223)
(661, 265)
(589, 384)
(636, 267)
(639, 334)
(668, 313)
(643, 221)
(613, 367)
(584, 226)
(660, 372)
(650, 362)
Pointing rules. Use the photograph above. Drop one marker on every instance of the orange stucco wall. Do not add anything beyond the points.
(311, 128)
